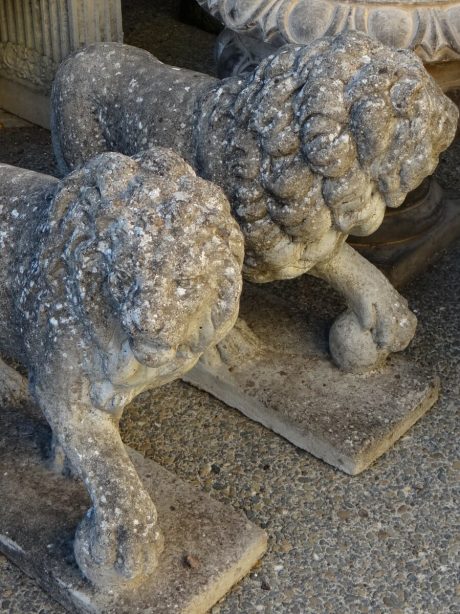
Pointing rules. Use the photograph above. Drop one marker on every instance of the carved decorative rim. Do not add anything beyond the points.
(431, 28)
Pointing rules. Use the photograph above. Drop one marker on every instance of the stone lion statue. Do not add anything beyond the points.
(309, 147)
(114, 280)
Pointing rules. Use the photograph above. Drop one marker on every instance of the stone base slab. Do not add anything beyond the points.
(209, 546)
(275, 368)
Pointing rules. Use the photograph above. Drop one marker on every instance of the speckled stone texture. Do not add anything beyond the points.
(113, 281)
(385, 542)
(311, 146)
(208, 546)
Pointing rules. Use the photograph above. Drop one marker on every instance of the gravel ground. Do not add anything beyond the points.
(385, 541)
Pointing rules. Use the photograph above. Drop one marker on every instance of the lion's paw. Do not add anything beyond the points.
(352, 347)
(117, 552)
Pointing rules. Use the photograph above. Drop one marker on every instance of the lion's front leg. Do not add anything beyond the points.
(118, 542)
(378, 320)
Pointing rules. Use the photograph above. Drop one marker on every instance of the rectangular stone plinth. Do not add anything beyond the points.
(39, 512)
(275, 368)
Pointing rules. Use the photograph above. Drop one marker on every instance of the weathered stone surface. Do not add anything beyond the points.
(311, 146)
(238, 52)
(274, 367)
(256, 29)
(409, 238)
(113, 281)
(7, 120)
(208, 546)
(388, 544)
(21, 100)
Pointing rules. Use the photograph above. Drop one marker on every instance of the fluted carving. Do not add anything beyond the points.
(35, 35)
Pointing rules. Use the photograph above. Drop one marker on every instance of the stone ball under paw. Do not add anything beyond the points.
(352, 347)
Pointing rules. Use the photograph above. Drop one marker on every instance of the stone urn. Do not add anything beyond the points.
(431, 28)
(411, 236)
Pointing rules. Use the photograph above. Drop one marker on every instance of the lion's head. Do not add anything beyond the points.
(143, 244)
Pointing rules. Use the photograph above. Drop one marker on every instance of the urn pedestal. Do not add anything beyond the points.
(411, 237)
(36, 35)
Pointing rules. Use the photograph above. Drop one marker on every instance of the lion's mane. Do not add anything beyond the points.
(144, 240)
(314, 130)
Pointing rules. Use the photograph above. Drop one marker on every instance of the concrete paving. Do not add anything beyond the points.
(386, 541)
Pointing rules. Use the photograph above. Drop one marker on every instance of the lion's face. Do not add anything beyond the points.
(153, 261)
(193, 301)
(185, 268)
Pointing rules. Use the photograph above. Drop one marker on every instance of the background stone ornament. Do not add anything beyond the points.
(114, 280)
(311, 146)
(36, 36)
(431, 28)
